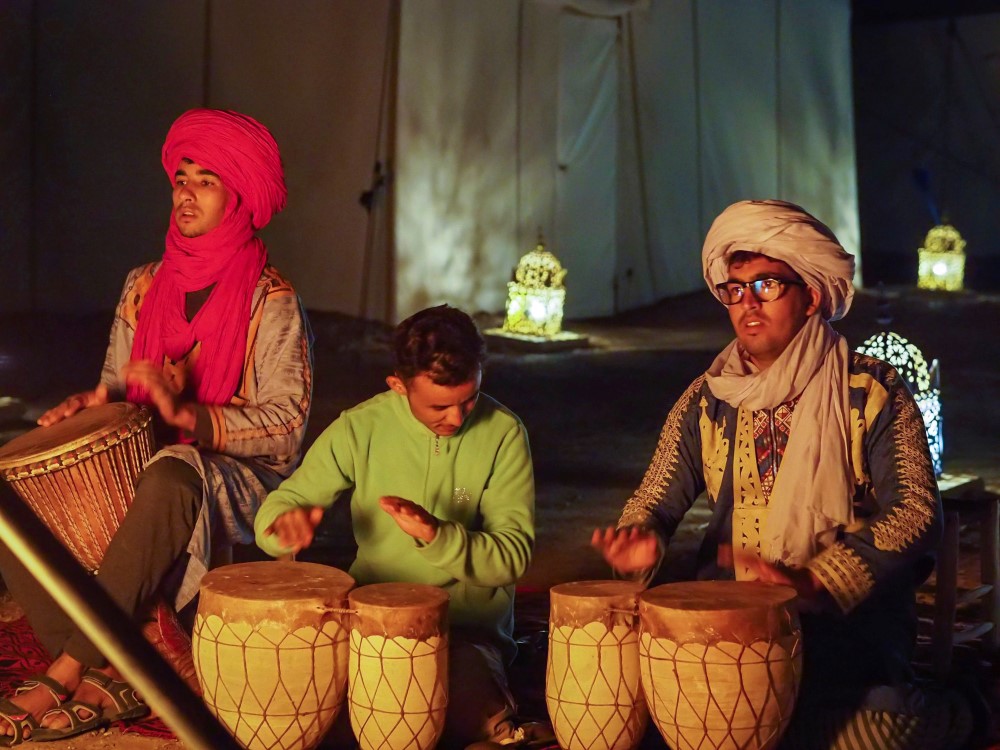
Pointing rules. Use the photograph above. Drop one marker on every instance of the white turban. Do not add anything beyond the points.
(788, 233)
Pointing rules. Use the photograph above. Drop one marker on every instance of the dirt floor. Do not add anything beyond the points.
(593, 416)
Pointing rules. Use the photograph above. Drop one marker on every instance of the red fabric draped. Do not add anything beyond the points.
(245, 156)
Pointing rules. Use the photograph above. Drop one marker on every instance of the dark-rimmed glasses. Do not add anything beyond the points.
(764, 290)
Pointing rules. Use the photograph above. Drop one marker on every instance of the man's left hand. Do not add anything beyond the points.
(412, 518)
(162, 393)
(804, 581)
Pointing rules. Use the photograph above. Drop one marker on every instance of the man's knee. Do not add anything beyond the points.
(168, 488)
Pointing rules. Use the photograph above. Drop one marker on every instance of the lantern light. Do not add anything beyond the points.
(923, 380)
(535, 299)
(941, 261)
(536, 295)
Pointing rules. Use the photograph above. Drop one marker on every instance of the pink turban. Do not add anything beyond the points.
(788, 233)
(238, 149)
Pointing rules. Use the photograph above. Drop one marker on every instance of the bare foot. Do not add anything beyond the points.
(64, 670)
(88, 693)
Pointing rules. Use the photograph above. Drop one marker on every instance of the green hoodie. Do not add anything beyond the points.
(478, 483)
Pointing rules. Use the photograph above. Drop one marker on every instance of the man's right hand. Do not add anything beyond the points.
(627, 550)
(73, 404)
(295, 528)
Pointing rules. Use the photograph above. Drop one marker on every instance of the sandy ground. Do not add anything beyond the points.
(593, 414)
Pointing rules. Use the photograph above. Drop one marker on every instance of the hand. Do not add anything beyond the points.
(73, 404)
(162, 393)
(804, 581)
(627, 550)
(411, 518)
(296, 528)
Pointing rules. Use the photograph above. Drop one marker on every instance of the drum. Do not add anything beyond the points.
(720, 662)
(79, 474)
(398, 693)
(270, 650)
(592, 686)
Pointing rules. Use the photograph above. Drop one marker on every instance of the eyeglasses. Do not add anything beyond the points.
(763, 290)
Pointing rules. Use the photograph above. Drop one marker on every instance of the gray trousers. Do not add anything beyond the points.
(152, 539)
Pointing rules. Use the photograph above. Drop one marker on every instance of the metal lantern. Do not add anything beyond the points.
(942, 260)
(536, 296)
(923, 379)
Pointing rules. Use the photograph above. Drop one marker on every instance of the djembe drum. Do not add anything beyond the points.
(398, 693)
(270, 650)
(592, 686)
(78, 475)
(720, 662)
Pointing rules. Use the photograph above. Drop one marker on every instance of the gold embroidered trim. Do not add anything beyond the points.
(747, 489)
(749, 501)
(858, 430)
(844, 574)
(747, 524)
(714, 451)
(908, 519)
(640, 506)
(876, 395)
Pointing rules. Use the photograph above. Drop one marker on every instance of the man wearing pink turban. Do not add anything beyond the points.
(815, 463)
(216, 342)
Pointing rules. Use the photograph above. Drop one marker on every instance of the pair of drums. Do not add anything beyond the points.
(715, 664)
(279, 645)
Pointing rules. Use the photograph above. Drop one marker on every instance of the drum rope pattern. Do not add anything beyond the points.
(593, 690)
(728, 687)
(72, 457)
(398, 671)
(721, 662)
(273, 710)
(79, 475)
(398, 696)
(270, 648)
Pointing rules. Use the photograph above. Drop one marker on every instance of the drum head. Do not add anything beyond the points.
(78, 431)
(277, 581)
(715, 596)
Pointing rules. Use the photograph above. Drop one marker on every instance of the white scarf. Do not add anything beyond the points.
(811, 496)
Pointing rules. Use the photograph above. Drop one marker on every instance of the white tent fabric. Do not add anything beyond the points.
(618, 129)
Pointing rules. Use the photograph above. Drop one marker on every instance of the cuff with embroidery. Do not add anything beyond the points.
(844, 574)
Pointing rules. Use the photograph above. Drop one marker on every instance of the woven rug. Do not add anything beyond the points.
(21, 656)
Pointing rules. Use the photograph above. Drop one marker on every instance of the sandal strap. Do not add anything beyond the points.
(124, 697)
(58, 691)
(18, 719)
(71, 710)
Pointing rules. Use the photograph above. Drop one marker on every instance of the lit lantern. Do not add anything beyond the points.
(942, 260)
(536, 295)
(923, 381)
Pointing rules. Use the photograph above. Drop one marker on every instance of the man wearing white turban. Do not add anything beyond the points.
(816, 467)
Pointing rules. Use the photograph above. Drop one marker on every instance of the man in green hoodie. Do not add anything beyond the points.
(443, 494)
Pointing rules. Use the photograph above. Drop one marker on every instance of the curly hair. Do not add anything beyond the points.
(442, 342)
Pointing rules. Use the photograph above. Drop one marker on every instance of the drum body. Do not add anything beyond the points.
(399, 665)
(270, 650)
(720, 662)
(79, 474)
(592, 686)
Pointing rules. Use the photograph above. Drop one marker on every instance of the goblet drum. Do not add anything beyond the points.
(398, 669)
(270, 650)
(592, 685)
(78, 475)
(720, 662)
